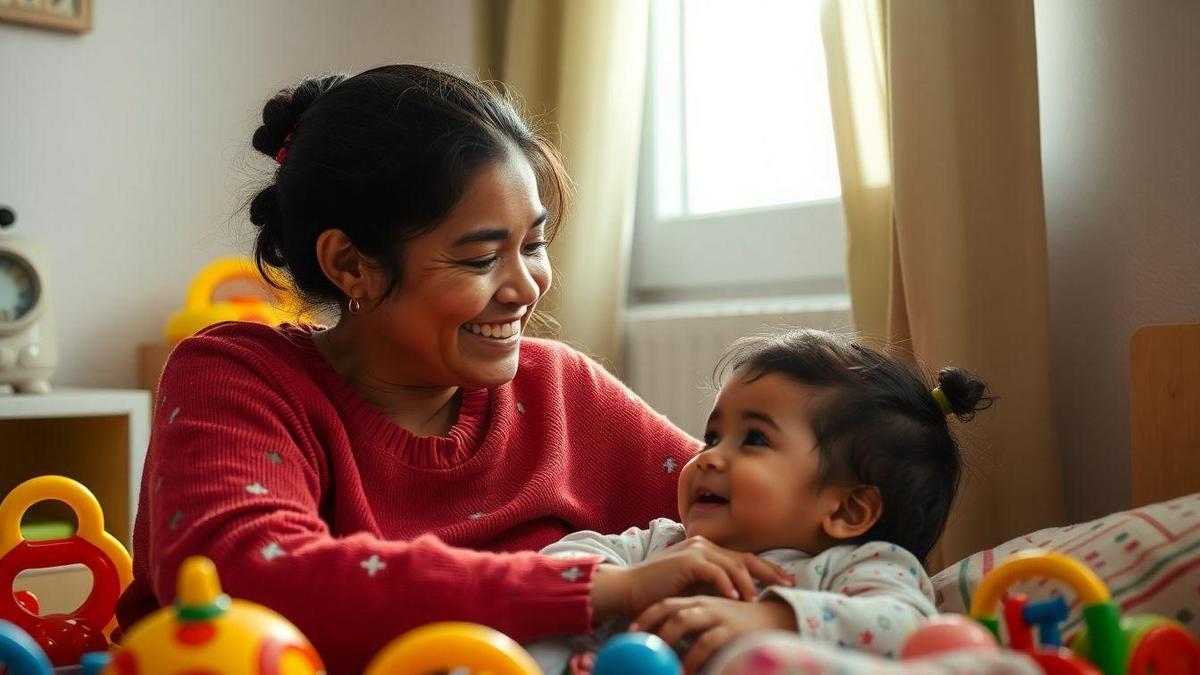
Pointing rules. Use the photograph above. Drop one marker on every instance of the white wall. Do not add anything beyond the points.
(1120, 111)
(125, 151)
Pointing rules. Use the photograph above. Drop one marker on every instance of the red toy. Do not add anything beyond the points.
(28, 601)
(948, 633)
(65, 637)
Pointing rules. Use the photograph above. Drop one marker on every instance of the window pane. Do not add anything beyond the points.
(756, 105)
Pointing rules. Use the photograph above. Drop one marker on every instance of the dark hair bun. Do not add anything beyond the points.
(283, 111)
(280, 116)
(965, 391)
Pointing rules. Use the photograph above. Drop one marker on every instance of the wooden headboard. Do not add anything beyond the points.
(1164, 392)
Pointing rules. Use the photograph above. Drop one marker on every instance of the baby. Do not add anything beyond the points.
(822, 458)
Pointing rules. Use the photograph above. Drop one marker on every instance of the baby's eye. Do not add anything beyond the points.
(755, 437)
(710, 439)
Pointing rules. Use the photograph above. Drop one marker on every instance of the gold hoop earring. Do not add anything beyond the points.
(354, 305)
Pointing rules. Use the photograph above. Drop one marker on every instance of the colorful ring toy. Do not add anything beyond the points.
(1137, 645)
(91, 546)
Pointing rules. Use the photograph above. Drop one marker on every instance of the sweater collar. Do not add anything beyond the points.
(375, 429)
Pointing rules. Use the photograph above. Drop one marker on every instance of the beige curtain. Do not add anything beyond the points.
(948, 247)
(580, 66)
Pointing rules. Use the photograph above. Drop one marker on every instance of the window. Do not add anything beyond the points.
(739, 191)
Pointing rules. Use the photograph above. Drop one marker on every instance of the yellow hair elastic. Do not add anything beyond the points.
(942, 401)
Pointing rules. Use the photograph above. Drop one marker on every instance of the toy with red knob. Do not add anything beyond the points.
(64, 637)
(1110, 644)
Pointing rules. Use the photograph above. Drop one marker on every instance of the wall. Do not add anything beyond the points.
(1120, 112)
(125, 151)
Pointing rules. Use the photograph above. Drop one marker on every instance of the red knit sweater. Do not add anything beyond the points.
(312, 503)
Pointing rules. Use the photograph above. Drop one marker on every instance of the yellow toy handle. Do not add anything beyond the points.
(441, 646)
(1036, 563)
(82, 502)
(216, 273)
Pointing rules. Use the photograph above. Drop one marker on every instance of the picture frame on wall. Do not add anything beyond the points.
(73, 16)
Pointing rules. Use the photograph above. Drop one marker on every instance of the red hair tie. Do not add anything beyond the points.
(282, 154)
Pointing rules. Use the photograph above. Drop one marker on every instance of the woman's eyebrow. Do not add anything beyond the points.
(478, 236)
(496, 233)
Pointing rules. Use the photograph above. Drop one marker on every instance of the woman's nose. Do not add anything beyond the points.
(519, 287)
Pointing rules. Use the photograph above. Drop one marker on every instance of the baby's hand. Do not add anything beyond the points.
(695, 561)
(711, 623)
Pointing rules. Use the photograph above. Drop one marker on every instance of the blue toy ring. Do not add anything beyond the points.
(20, 654)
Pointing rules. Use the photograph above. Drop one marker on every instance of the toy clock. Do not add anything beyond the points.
(28, 351)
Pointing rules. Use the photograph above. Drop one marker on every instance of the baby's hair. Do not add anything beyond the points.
(383, 156)
(876, 423)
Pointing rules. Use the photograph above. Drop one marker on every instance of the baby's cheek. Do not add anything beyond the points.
(765, 497)
(683, 488)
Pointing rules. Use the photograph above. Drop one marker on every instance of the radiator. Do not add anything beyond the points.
(671, 350)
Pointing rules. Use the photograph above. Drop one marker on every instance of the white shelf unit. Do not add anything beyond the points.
(96, 436)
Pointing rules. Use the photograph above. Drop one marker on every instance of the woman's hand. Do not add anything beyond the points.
(711, 622)
(626, 591)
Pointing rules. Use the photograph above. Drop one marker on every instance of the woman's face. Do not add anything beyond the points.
(469, 286)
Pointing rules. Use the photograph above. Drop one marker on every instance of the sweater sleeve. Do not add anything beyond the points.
(870, 597)
(237, 473)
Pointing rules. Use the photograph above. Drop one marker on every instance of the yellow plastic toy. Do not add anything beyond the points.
(442, 646)
(1116, 645)
(207, 632)
(90, 545)
(201, 311)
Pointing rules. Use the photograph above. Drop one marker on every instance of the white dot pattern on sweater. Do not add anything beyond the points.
(372, 565)
(272, 551)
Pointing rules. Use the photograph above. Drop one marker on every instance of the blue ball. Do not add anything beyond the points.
(19, 653)
(637, 654)
(94, 662)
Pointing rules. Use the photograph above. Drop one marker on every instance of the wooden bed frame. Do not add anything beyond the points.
(1164, 407)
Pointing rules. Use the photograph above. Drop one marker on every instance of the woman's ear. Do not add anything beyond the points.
(858, 511)
(355, 274)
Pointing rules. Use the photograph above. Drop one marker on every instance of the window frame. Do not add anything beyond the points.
(693, 256)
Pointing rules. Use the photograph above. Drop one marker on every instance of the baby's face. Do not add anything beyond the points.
(754, 486)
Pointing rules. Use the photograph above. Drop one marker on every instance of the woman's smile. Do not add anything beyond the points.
(495, 331)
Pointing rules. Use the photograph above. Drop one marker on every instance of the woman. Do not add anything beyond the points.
(398, 468)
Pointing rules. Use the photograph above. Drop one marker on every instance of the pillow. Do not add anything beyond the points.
(1149, 557)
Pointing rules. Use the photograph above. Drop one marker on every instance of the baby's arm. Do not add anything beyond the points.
(623, 550)
(869, 598)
